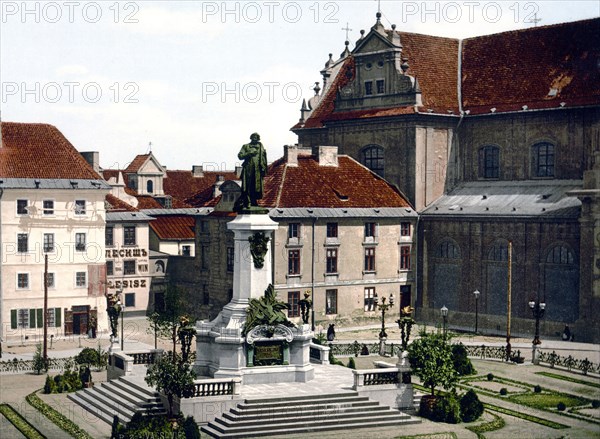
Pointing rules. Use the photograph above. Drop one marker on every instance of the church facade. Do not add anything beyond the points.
(495, 141)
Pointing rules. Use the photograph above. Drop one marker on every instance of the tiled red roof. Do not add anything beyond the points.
(110, 173)
(146, 201)
(118, 205)
(350, 185)
(504, 71)
(517, 68)
(137, 163)
(174, 227)
(190, 191)
(35, 150)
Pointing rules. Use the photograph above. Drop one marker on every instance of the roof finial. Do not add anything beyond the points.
(379, 7)
(149, 147)
(535, 20)
(347, 29)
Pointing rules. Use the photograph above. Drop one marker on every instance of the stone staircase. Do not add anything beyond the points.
(122, 397)
(302, 414)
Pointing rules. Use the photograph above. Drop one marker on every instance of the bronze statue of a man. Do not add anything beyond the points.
(254, 169)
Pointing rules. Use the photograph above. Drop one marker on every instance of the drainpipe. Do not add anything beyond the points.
(1, 263)
(312, 275)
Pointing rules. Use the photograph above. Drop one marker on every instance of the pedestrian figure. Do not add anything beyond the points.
(331, 332)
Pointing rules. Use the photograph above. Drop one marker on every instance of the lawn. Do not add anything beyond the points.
(548, 400)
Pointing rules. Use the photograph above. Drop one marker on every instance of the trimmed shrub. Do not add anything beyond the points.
(537, 388)
(470, 406)
(447, 409)
(351, 363)
(503, 391)
(426, 406)
(50, 385)
(462, 363)
(490, 376)
(596, 403)
(191, 428)
(561, 407)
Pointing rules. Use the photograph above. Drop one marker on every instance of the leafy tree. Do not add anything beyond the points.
(431, 360)
(172, 377)
(172, 322)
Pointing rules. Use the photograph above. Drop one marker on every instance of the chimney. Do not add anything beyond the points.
(238, 171)
(291, 154)
(326, 155)
(93, 159)
(197, 171)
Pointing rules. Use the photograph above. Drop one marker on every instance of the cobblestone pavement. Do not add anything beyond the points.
(14, 388)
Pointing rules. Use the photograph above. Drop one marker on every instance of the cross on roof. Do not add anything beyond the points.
(347, 29)
(535, 20)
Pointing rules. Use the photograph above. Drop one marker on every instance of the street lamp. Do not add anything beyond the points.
(122, 325)
(537, 308)
(476, 293)
(444, 312)
(383, 307)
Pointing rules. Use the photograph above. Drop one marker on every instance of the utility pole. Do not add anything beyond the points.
(508, 301)
(45, 354)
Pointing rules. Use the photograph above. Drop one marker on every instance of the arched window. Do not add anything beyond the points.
(150, 186)
(498, 251)
(372, 158)
(447, 249)
(446, 275)
(542, 160)
(561, 284)
(489, 162)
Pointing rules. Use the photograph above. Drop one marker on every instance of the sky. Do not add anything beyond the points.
(191, 80)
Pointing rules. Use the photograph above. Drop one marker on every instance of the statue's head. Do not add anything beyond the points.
(255, 137)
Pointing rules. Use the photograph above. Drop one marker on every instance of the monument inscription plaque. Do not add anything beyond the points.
(268, 354)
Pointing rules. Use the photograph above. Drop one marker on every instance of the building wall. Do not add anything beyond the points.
(133, 287)
(63, 263)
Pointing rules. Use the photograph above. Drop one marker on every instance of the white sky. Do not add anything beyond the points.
(196, 78)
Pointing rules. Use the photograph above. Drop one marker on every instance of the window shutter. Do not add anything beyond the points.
(40, 317)
(13, 319)
(32, 318)
(57, 321)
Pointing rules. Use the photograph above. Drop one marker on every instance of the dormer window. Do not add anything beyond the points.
(369, 88)
(380, 86)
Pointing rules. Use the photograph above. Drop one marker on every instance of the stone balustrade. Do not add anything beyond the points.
(319, 354)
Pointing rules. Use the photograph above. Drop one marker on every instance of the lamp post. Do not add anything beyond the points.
(476, 293)
(122, 325)
(383, 307)
(538, 309)
(444, 312)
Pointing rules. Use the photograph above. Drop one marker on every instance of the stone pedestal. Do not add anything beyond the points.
(221, 348)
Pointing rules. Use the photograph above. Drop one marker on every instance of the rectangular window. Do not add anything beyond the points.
(129, 267)
(79, 207)
(370, 230)
(370, 259)
(230, 258)
(48, 242)
(368, 88)
(110, 268)
(405, 229)
(22, 242)
(51, 279)
(81, 279)
(405, 257)
(129, 300)
(23, 318)
(48, 207)
(22, 207)
(293, 230)
(331, 260)
(330, 301)
(205, 295)
(109, 236)
(205, 257)
(53, 317)
(332, 230)
(186, 250)
(293, 299)
(380, 86)
(80, 242)
(23, 281)
(369, 299)
(294, 262)
(129, 235)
